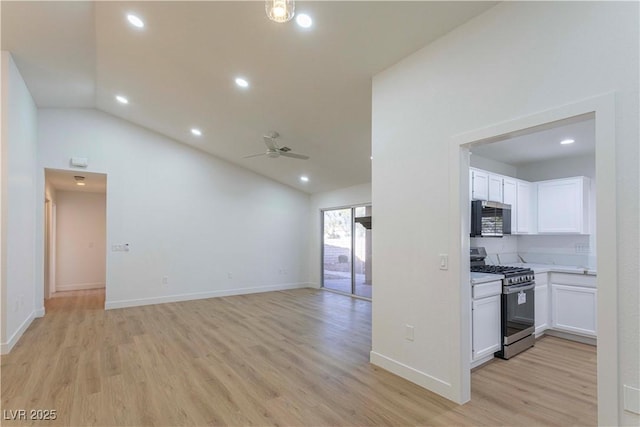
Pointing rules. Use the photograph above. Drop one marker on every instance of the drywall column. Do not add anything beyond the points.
(19, 150)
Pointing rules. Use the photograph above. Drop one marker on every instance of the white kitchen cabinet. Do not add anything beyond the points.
(574, 309)
(523, 208)
(495, 188)
(563, 206)
(510, 197)
(479, 185)
(542, 303)
(486, 327)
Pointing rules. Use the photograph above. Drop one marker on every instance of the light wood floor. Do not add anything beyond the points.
(293, 358)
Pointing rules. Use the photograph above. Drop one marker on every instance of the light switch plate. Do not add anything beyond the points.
(444, 261)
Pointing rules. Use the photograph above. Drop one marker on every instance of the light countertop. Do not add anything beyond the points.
(546, 268)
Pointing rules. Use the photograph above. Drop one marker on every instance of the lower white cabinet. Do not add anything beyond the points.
(486, 326)
(574, 309)
(542, 303)
(541, 308)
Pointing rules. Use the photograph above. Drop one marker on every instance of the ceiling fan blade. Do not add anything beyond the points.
(270, 143)
(254, 155)
(294, 155)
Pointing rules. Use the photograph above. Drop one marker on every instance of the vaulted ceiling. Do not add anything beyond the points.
(312, 85)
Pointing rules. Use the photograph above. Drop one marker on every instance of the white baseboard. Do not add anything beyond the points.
(572, 337)
(109, 305)
(6, 347)
(79, 287)
(423, 379)
(39, 312)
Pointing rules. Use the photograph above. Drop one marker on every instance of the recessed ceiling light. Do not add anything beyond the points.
(121, 99)
(371, 158)
(304, 178)
(79, 180)
(196, 132)
(304, 20)
(135, 21)
(567, 141)
(242, 82)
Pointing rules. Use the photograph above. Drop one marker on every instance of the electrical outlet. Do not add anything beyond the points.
(165, 280)
(229, 275)
(582, 249)
(409, 332)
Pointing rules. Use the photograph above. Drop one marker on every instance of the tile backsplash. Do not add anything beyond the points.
(575, 250)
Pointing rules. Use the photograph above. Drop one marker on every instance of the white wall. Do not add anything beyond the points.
(492, 165)
(81, 231)
(515, 60)
(343, 197)
(558, 168)
(210, 227)
(19, 140)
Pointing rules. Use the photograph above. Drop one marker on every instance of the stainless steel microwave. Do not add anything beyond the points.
(490, 219)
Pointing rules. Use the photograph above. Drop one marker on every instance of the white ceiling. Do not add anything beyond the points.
(543, 145)
(312, 86)
(65, 181)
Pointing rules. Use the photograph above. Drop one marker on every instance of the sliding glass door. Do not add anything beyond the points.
(346, 250)
(362, 251)
(336, 250)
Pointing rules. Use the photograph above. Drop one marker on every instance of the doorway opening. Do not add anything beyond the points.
(75, 237)
(602, 294)
(346, 251)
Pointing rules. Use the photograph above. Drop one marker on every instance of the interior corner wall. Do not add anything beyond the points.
(80, 240)
(205, 226)
(492, 165)
(343, 197)
(19, 150)
(497, 67)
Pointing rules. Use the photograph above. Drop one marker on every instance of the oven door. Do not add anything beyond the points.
(518, 312)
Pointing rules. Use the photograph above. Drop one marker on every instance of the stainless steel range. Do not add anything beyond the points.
(518, 299)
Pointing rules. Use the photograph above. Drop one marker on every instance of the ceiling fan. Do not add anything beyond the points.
(274, 151)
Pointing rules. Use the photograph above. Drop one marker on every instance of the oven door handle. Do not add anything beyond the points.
(512, 289)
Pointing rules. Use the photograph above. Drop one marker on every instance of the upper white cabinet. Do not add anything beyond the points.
(484, 185)
(479, 185)
(558, 206)
(563, 206)
(523, 213)
(495, 188)
(510, 197)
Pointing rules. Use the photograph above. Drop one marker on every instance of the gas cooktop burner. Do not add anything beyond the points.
(499, 269)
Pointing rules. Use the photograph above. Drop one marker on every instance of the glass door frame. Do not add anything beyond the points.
(352, 262)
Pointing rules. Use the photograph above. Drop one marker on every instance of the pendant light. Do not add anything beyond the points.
(279, 10)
